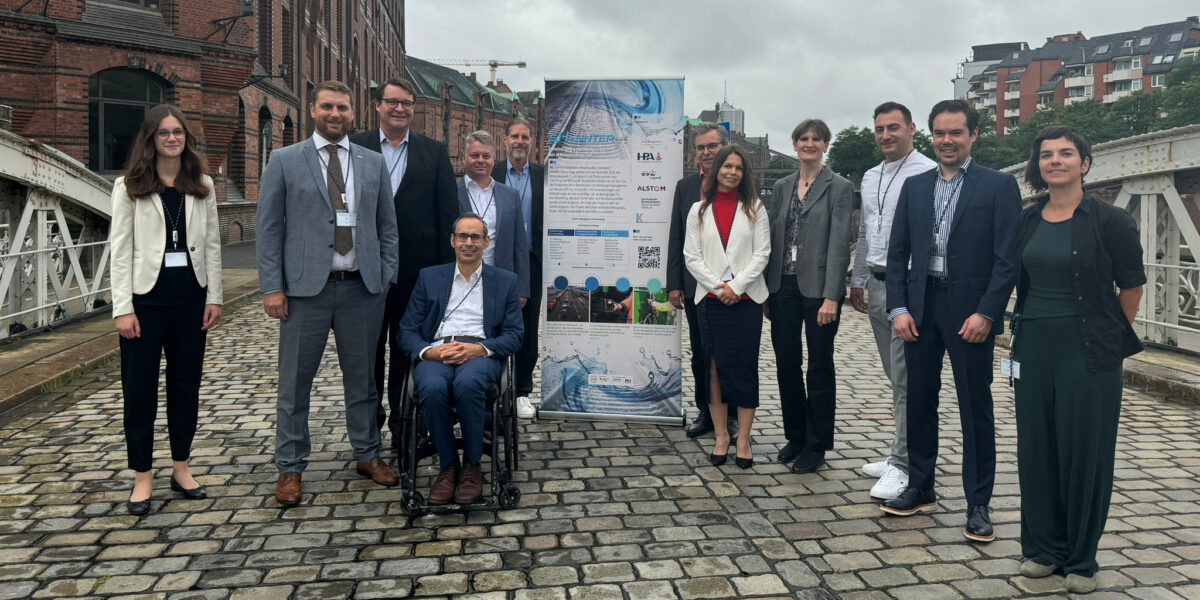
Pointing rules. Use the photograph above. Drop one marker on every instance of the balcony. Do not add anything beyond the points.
(1111, 97)
(989, 85)
(972, 94)
(1122, 75)
(989, 101)
(1012, 95)
(1079, 81)
(1074, 99)
(1012, 113)
(1008, 130)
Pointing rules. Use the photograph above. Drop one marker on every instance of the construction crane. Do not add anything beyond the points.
(492, 64)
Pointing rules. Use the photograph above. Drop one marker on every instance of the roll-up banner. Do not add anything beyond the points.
(611, 342)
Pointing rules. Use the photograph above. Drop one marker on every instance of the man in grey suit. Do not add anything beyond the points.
(327, 254)
(810, 215)
(500, 207)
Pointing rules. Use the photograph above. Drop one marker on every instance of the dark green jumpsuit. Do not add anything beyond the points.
(1066, 416)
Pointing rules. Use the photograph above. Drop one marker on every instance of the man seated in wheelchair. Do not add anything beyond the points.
(462, 322)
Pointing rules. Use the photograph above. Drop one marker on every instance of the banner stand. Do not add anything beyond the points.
(554, 415)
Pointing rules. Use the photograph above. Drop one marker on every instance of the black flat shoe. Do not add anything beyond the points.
(196, 493)
(138, 508)
(743, 463)
(718, 459)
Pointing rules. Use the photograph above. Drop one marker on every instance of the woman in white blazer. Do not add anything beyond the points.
(726, 248)
(166, 289)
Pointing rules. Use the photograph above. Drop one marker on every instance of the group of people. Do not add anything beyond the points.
(941, 245)
(350, 239)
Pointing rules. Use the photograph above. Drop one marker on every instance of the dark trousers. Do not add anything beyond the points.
(937, 335)
(699, 369)
(397, 367)
(1066, 444)
(175, 331)
(444, 389)
(808, 414)
(527, 356)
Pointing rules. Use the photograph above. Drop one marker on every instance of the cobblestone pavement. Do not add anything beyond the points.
(608, 510)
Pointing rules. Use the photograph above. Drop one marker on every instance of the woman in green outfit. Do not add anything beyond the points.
(1071, 334)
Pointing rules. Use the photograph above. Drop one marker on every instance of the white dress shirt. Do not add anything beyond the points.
(483, 204)
(464, 309)
(880, 192)
(395, 158)
(349, 260)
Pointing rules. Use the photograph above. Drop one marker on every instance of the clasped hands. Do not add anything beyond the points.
(455, 352)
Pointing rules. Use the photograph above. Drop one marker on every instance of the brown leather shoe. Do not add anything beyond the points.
(287, 489)
(378, 471)
(470, 484)
(443, 487)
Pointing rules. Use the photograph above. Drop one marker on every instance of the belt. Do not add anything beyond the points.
(938, 283)
(344, 275)
(470, 339)
(879, 275)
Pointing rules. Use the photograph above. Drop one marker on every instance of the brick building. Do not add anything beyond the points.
(79, 75)
(1072, 68)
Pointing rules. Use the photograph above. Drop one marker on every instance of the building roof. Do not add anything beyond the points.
(428, 77)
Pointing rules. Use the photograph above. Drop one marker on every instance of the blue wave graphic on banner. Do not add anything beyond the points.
(566, 387)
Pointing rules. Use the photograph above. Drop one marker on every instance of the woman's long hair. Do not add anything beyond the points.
(141, 179)
(747, 193)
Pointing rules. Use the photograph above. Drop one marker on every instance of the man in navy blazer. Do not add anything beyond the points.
(500, 207)
(422, 184)
(957, 225)
(463, 320)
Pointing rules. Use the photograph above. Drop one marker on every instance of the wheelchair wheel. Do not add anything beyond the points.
(510, 496)
(413, 504)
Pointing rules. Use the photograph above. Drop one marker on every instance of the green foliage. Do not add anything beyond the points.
(853, 153)
(923, 143)
(1183, 73)
(1135, 114)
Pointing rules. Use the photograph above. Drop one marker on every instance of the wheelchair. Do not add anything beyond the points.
(499, 445)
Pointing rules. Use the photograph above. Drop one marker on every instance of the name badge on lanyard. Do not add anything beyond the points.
(175, 259)
(346, 218)
(878, 240)
(937, 264)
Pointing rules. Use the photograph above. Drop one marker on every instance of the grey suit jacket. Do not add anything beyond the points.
(823, 255)
(296, 221)
(510, 245)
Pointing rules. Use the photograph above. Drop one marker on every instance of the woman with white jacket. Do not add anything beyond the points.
(726, 248)
(166, 288)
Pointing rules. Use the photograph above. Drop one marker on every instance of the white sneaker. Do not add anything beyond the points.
(876, 469)
(890, 485)
(525, 408)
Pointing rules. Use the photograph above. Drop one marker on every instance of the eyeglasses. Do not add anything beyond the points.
(474, 237)
(392, 103)
(163, 134)
(708, 147)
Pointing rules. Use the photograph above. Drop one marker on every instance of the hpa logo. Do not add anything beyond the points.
(649, 157)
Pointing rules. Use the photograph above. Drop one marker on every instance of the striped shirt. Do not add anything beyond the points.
(945, 199)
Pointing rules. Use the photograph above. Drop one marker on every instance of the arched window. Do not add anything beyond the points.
(117, 101)
(289, 131)
(266, 137)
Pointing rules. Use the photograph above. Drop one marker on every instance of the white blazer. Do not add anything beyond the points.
(746, 256)
(135, 240)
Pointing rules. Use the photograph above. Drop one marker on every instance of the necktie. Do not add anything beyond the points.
(343, 238)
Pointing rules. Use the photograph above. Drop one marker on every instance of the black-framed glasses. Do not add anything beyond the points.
(393, 103)
(473, 237)
(713, 147)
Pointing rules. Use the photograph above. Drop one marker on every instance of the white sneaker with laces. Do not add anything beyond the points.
(876, 469)
(525, 408)
(890, 484)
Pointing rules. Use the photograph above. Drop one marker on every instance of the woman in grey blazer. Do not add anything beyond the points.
(166, 289)
(811, 232)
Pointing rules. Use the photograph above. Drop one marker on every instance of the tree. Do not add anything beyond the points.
(853, 152)
(1181, 103)
(1135, 114)
(923, 143)
(1091, 119)
(1183, 72)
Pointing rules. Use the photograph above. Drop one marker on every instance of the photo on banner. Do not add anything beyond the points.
(611, 347)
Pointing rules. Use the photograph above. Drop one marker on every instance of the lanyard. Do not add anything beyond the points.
(447, 316)
(175, 222)
(341, 186)
(524, 182)
(880, 198)
(474, 205)
(401, 154)
(941, 214)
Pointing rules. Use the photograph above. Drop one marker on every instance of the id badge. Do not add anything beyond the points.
(937, 264)
(728, 276)
(878, 240)
(175, 259)
(345, 219)
(1010, 368)
(794, 251)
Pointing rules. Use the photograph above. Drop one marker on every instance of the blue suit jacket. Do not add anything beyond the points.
(510, 245)
(502, 323)
(981, 250)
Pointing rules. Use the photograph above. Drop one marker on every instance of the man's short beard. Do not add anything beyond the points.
(518, 154)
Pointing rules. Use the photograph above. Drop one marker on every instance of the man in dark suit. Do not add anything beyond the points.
(463, 321)
(529, 179)
(426, 204)
(500, 208)
(326, 252)
(957, 225)
(681, 286)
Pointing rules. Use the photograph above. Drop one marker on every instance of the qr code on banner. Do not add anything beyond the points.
(649, 257)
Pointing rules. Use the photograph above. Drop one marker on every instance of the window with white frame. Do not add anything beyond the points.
(1136, 63)
(1157, 81)
(1087, 70)
(1135, 85)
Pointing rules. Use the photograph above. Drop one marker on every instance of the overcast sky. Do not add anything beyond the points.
(783, 61)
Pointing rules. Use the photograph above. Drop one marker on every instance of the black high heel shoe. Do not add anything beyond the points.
(196, 493)
(718, 459)
(743, 463)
